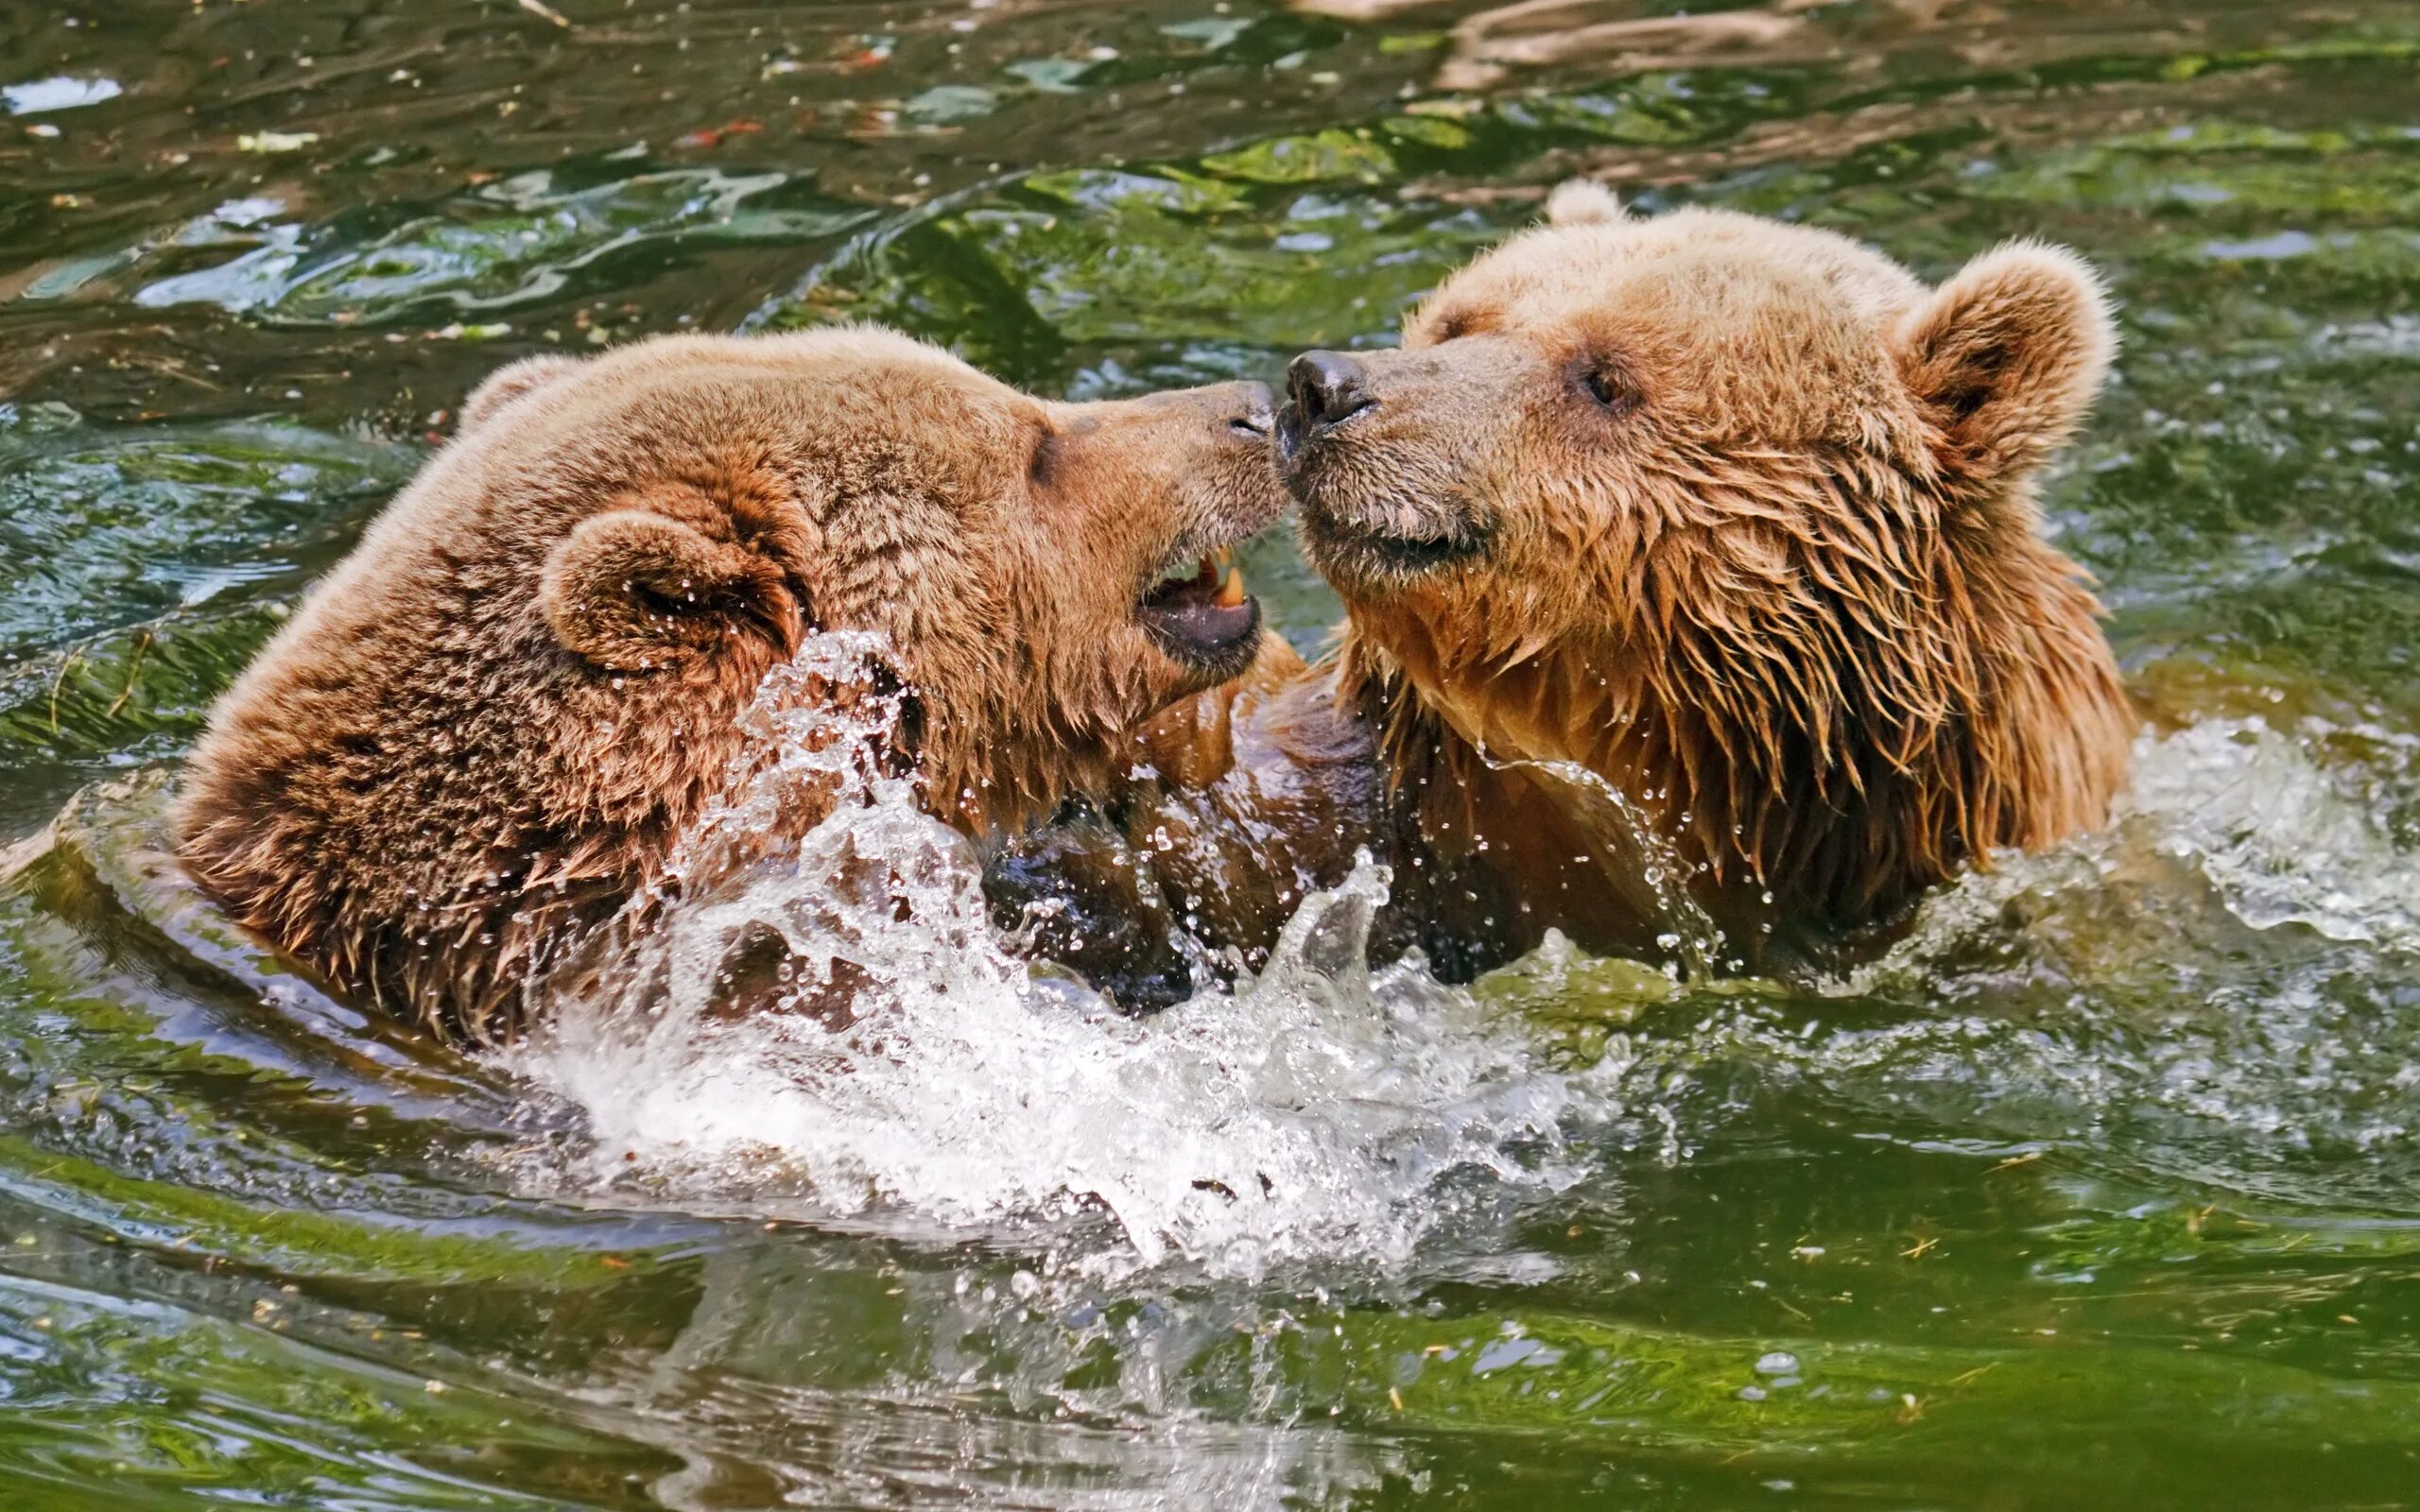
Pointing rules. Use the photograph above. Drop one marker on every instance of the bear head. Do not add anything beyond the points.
(491, 723)
(1738, 516)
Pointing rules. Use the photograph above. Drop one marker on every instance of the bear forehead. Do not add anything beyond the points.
(1736, 328)
(841, 395)
(842, 353)
(1707, 270)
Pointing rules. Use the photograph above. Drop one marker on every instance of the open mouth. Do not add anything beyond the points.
(1200, 614)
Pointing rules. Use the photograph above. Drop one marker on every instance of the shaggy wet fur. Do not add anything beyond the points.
(488, 727)
(1694, 578)
(1738, 517)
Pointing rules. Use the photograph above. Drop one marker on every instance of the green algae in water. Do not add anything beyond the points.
(2099, 1189)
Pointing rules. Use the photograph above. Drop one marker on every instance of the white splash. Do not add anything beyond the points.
(2231, 815)
(1312, 1112)
(2208, 987)
(2283, 839)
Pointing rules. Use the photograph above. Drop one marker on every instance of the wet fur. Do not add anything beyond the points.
(487, 729)
(1791, 596)
(1786, 596)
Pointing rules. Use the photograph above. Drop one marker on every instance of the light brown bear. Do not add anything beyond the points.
(1696, 588)
(486, 729)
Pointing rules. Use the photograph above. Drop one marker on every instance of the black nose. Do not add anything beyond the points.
(1328, 387)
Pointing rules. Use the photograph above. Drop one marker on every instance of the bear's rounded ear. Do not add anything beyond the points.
(633, 591)
(507, 383)
(2008, 355)
(1583, 202)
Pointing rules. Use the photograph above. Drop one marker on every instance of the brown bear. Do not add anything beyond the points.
(485, 730)
(1697, 602)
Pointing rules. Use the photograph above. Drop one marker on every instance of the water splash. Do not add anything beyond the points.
(1631, 835)
(2282, 838)
(2230, 826)
(2213, 988)
(912, 1068)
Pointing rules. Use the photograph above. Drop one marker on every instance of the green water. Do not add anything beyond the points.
(2105, 1190)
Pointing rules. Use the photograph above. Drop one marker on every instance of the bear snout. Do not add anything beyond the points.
(1323, 391)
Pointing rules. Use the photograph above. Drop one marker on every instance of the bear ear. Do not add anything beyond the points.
(1583, 202)
(510, 382)
(2008, 355)
(633, 591)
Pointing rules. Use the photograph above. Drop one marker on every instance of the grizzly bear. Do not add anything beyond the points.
(1723, 531)
(1698, 604)
(486, 729)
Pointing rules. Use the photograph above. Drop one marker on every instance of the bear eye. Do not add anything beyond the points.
(1609, 385)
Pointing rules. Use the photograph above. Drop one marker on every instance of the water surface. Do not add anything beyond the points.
(2103, 1189)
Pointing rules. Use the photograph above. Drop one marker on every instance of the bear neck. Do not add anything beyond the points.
(1807, 764)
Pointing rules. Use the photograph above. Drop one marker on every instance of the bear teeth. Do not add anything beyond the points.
(1231, 587)
(1213, 580)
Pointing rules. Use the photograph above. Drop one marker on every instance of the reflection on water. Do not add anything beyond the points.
(2099, 1188)
(502, 246)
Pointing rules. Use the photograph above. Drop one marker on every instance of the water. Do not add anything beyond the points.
(2101, 1188)
(1311, 1115)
